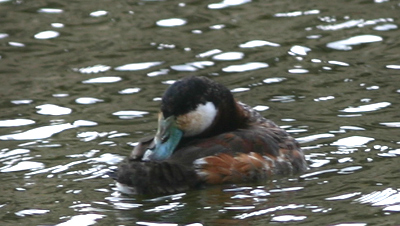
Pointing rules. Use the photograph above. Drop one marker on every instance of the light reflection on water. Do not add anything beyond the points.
(82, 83)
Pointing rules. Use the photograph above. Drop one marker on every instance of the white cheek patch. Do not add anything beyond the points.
(195, 122)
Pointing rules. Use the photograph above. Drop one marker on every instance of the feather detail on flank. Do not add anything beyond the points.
(224, 168)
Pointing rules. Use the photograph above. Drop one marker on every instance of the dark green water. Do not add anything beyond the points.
(81, 83)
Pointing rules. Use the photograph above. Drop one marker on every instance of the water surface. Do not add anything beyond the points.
(82, 81)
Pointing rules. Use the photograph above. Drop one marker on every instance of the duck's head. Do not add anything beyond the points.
(192, 107)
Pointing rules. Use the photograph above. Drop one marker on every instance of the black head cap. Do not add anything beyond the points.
(186, 94)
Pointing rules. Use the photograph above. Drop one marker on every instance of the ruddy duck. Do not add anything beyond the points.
(205, 136)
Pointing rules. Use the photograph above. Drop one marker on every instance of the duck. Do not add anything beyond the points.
(206, 137)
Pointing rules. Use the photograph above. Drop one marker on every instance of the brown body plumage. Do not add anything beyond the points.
(239, 145)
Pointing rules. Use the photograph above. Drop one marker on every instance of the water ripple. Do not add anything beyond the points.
(366, 108)
(22, 166)
(343, 197)
(297, 13)
(192, 66)
(229, 56)
(310, 67)
(171, 22)
(17, 102)
(245, 67)
(258, 43)
(167, 207)
(391, 124)
(93, 69)
(227, 3)
(45, 131)
(287, 218)
(50, 10)
(52, 109)
(88, 100)
(267, 211)
(393, 66)
(386, 27)
(130, 114)
(298, 71)
(353, 141)
(16, 44)
(83, 220)
(138, 66)
(30, 212)
(346, 44)
(16, 122)
(273, 80)
(209, 53)
(47, 35)
(100, 80)
(98, 13)
(129, 90)
(389, 197)
(299, 50)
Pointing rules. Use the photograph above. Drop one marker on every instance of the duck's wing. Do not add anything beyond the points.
(244, 155)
